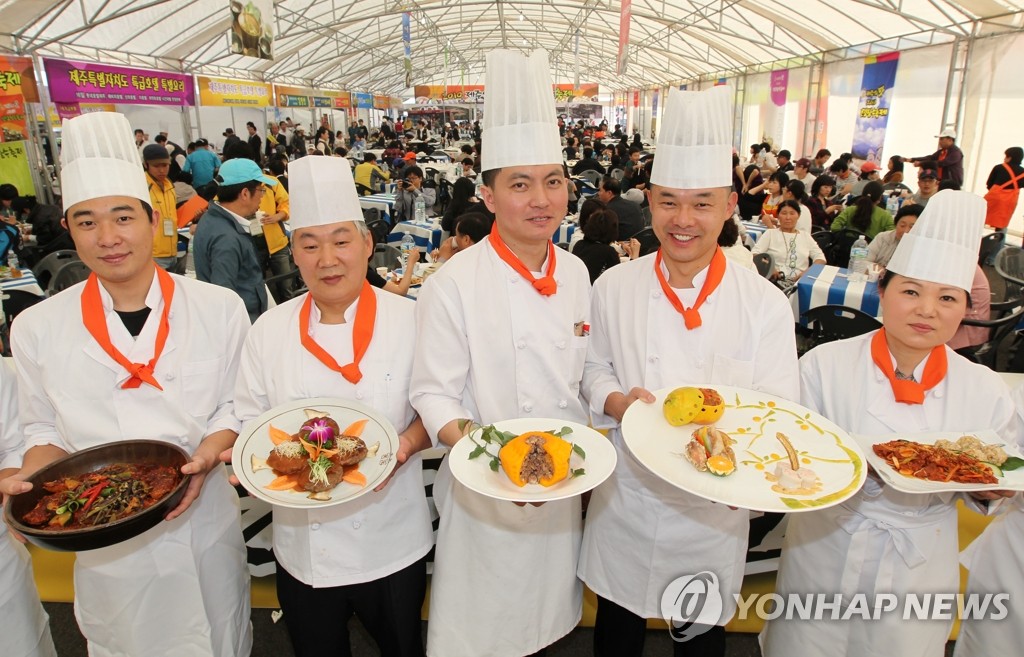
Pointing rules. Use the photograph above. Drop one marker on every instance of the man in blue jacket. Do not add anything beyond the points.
(222, 247)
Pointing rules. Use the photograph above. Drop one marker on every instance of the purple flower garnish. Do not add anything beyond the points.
(320, 431)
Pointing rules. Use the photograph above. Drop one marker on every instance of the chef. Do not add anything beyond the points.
(501, 333)
(682, 315)
(135, 352)
(24, 624)
(993, 561)
(900, 379)
(347, 339)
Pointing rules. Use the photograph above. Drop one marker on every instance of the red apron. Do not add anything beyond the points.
(1002, 200)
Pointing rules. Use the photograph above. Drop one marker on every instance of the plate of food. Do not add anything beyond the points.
(532, 460)
(100, 496)
(744, 448)
(944, 461)
(315, 453)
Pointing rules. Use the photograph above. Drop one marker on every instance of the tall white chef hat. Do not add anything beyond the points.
(695, 142)
(520, 127)
(99, 158)
(942, 247)
(322, 191)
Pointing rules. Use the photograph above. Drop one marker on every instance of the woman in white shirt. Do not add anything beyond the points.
(793, 250)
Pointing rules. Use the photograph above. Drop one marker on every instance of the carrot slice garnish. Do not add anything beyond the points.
(277, 436)
(354, 476)
(356, 428)
(283, 482)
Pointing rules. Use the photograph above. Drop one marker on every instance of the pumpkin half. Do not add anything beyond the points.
(536, 457)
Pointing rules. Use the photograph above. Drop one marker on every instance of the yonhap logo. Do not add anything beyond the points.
(692, 605)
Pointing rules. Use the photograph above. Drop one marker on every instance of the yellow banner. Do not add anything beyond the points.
(233, 93)
(14, 167)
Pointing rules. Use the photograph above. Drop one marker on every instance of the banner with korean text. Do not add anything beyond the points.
(625, 12)
(285, 96)
(873, 110)
(18, 77)
(233, 93)
(13, 126)
(407, 43)
(14, 168)
(79, 82)
(362, 100)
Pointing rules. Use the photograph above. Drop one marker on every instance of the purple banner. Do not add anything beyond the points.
(779, 85)
(79, 82)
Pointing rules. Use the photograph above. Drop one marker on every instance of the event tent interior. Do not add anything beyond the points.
(957, 69)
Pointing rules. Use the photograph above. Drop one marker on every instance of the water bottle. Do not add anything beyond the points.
(420, 214)
(892, 204)
(12, 261)
(859, 260)
(407, 244)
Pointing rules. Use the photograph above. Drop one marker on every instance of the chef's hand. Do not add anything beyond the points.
(204, 460)
(617, 403)
(225, 457)
(412, 440)
(989, 495)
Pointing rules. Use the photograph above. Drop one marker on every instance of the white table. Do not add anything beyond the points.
(26, 283)
(825, 285)
(427, 237)
(383, 202)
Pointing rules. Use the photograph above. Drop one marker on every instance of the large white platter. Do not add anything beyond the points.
(255, 440)
(1011, 480)
(752, 419)
(477, 475)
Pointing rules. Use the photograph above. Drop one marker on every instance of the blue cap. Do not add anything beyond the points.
(242, 170)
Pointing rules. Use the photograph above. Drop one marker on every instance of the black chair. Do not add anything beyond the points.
(987, 353)
(648, 241)
(286, 286)
(842, 241)
(765, 264)
(829, 323)
(385, 255)
(990, 245)
(379, 229)
(363, 190)
(824, 240)
(70, 274)
(45, 269)
(562, 245)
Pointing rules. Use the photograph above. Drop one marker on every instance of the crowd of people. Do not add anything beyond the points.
(510, 326)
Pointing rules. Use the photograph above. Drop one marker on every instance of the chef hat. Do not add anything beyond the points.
(99, 158)
(322, 192)
(519, 112)
(695, 142)
(942, 247)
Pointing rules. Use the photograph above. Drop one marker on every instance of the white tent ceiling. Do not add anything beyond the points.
(358, 45)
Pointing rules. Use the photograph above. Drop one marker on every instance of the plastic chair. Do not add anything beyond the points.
(70, 274)
(842, 242)
(618, 174)
(829, 323)
(1010, 264)
(46, 268)
(824, 239)
(648, 241)
(379, 229)
(385, 255)
(987, 353)
(990, 246)
(286, 286)
(592, 177)
(765, 264)
(562, 245)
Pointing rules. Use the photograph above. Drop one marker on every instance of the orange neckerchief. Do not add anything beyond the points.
(908, 392)
(95, 321)
(362, 333)
(546, 285)
(691, 316)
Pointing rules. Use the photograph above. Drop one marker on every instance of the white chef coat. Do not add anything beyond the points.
(24, 624)
(181, 588)
(490, 347)
(994, 564)
(379, 533)
(641, 532)
(880, 540)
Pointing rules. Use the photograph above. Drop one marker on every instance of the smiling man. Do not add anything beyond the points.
(502, 334)
(680, 316)
(345, 339)
(136, 352)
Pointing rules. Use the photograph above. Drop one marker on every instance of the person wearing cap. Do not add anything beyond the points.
(343, 339)
(901, 379)
(202, 163)
(157, 163)
(927, 187)
(222, 246)
(802, 171)
(502, 334)
(784, 161)
(154, 356)
(868, 171)
(949, 159)
(681, 314)
(24, 624)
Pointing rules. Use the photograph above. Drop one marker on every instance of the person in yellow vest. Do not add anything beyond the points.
(157, 163)
(272, 250)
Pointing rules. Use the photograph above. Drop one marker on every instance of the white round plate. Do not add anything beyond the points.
(255, 441)
(752, 419)
(476, 474)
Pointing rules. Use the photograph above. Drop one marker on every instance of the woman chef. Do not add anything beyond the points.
(23, 623)
(135, 352)
(900, 379)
